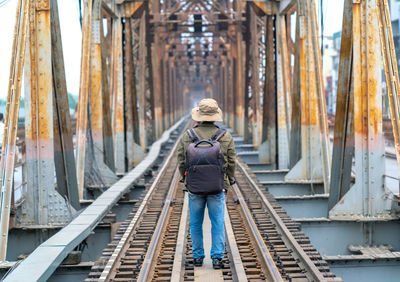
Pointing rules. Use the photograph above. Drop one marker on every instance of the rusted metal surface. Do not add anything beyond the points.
(11, 120)
(239, 75)
(158, 59)
(283, 94)
(391, 72)
(64, 158)
(129, 95)
(320, 89)
(39, 119)
(118, 126)
(314, 163)
(268, 147)
(142, 82)
(368, 198)
(343, 141)
(295, 129)
(82, 115)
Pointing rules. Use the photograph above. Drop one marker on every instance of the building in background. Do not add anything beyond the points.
(329, 55)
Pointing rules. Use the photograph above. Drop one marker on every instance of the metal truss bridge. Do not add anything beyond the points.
(94, 196)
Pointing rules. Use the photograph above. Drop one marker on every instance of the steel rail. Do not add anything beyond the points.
(145, 270)
(289, 240)
(181, 242)
(123, 244)
(238, 269)
(272, 271)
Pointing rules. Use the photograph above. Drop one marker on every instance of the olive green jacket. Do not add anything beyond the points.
(206, 131)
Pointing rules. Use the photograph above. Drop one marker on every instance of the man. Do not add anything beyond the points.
(206, 114)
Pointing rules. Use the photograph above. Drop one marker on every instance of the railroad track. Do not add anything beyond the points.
(263, 243)
(293, 254)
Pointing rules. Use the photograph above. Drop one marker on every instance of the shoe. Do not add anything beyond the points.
(198, 262)
(217, 263)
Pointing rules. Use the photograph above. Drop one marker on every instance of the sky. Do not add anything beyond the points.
(71, 37)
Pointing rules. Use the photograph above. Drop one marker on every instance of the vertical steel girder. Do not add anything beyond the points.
(391, 72)
(267, 149)
(82, 111)
(118, 98)
(48, 132)
(11, 121)
(142, 69)
(283, 92)
(254, 54)
(150, 95)
(239, 73)
(314, 163)
(94, 98)
(64, 158)
(360, 97)
(130, 95)
(274, 148)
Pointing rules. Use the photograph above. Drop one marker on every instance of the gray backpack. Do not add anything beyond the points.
(205, 164)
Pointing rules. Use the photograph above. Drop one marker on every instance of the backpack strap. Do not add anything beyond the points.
(218, 135)
(193, 135)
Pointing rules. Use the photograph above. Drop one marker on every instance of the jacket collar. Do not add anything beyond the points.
(206, 124)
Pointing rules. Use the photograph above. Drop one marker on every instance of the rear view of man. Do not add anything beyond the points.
(206, 157)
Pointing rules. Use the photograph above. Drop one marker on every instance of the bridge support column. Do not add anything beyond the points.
(48, 132)
(314, 163)
(358, 126)
(283, 92)
(268, 147)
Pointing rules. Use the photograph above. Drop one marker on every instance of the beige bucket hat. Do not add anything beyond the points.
(207, 110)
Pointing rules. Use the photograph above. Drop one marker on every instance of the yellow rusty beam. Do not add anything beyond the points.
(118, 98)
(82, 116)
(391, 72)
(108, 10)
(286, 5)
(268, 8)
(132, 8)
(11, 120)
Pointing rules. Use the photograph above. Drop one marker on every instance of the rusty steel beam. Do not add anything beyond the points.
(391, 72)
(118, 126)
(39, 117)
(286, 5)
(343, 141)
(314, 163)
(295, 122)
(151, 118)
(97, 86)
(108, 142)
(142, 83)
(238, 78)
(11, 121)
(368, 198)
(248, 85)
(268, 8)
(283, 93)
(239, 73)
(129, 95)
(267, 150)
(156, 53)
(64, 158)
(82, 115)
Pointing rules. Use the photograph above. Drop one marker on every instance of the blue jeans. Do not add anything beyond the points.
(216, 212)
